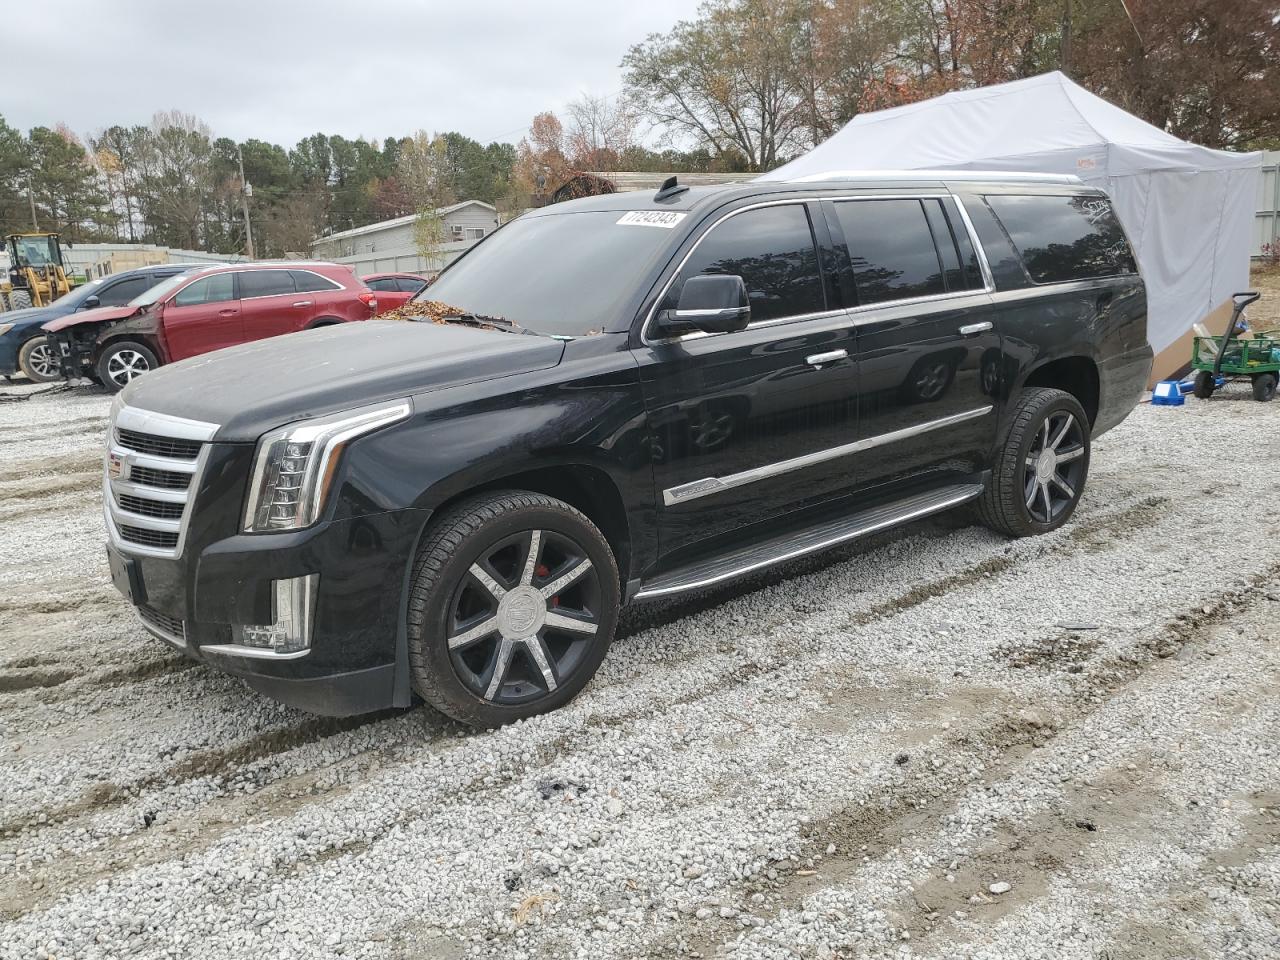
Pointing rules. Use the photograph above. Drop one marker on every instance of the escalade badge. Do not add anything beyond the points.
(117, 469)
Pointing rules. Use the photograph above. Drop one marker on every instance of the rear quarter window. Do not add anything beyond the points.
(1064, 238)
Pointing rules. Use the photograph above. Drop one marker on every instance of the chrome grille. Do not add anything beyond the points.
(152, 471)
(172, 447)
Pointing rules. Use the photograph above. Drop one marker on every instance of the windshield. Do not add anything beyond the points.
(563, 274)
(38, 251)
(158, 292)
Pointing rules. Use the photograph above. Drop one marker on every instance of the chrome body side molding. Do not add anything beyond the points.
(696, 489)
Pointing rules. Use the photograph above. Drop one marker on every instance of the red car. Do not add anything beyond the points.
(203, 310)
(394, 289)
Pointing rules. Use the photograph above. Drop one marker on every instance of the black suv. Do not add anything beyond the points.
(621, 397)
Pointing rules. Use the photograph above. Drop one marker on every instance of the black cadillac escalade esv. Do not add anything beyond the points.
(628, 397)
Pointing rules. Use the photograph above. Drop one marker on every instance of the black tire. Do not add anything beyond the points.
(38, 361)
(492, 533)
(1264, 387)
(122, 361)
(1031, 493)
(1204, 384)
(19, 300)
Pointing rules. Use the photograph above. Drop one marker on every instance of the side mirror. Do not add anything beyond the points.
(90, 302)
(712, 303)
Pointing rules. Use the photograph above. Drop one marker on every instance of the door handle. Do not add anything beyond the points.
(227, 313)
(969, 329)
(303, 303)
(818, 359)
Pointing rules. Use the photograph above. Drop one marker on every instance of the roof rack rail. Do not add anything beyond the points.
(1022, 176)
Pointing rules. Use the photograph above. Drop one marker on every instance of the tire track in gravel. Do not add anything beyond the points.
(24, 470)
(869, 831)
(225, 761)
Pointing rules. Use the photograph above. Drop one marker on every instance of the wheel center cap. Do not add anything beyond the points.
(521, 613)
(1046, 465)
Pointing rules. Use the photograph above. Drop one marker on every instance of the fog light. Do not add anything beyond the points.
(293, 603)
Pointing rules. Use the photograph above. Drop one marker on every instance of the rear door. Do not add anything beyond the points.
(202, 316)
(928, 353)
(271, 304)
(389, 293)
(325, 299)
(747, 426)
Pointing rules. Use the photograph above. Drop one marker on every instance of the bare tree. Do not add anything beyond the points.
(601, 130)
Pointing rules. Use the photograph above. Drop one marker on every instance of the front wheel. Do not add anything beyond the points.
(512, 607)
(1264, 387)
(123, 362)
(1204, 385)
(1040, 470)
(39, 361)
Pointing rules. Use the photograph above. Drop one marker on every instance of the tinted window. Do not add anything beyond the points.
(891, 248)
(214, 289)
(772, 249)
(1006, 268)
(307, 282)
(559, 273)
(968, 256)
(1065, 238)
(265, 283)
(410, 286)
(121, 293)
(945, 244)
(384, 283)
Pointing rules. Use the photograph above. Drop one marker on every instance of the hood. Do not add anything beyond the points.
(256, 387)
(32, 315)
(97, 315)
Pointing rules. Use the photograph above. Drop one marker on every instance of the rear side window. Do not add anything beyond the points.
(410, 286)
(307, 282)
(214, 289)
(387, 284)
(773, 250)
(891, 248)
(1065, 238)
(117, 295)
(265, 283)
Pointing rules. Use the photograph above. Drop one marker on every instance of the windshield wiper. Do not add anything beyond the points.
(485, 323)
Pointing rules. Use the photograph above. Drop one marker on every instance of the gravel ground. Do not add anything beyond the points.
(939, 744)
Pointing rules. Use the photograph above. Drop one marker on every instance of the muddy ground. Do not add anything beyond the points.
(848, 758)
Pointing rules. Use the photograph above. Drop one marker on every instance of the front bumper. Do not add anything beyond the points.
(75, 354)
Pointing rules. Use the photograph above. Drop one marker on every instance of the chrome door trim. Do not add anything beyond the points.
(988, 278)
(831, 356)
(969, 329)
(696, 489)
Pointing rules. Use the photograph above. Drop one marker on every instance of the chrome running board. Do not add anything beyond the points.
(811, 539)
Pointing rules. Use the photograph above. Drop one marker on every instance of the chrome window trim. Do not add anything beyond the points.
(294, 293)
(696, 489)
(988, 283)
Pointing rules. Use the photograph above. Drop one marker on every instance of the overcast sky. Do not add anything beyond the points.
(279, 70)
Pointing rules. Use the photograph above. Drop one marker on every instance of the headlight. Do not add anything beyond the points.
(295, 465)
(5, 328)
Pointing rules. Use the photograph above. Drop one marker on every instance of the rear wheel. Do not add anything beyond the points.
(1205, 384)
(1041, 469)
(122, 362)
(38, 361)
(512, 607)
(1264, 387)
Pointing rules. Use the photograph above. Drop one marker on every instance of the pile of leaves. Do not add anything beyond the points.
(435, 311)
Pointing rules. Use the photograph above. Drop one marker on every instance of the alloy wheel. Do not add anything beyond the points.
(125, 365)
(1054, 466)
(43, 361)
(523, 616)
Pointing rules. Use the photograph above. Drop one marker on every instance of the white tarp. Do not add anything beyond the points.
(1187, 209)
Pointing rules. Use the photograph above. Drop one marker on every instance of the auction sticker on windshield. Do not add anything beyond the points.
(651, 218)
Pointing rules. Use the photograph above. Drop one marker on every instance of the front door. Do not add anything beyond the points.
(928, 352)
(202, 316)
(742, 423)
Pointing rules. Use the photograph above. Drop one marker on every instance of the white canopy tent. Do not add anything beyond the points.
(1187, 209)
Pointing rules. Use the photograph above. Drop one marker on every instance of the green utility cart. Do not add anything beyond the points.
(1219, 360)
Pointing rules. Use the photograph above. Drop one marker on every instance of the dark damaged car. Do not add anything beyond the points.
(622, 398)
(203, 310)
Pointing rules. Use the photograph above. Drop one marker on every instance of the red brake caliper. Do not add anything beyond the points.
(542, 571)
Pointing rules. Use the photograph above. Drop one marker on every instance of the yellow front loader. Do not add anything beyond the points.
(36, 274)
